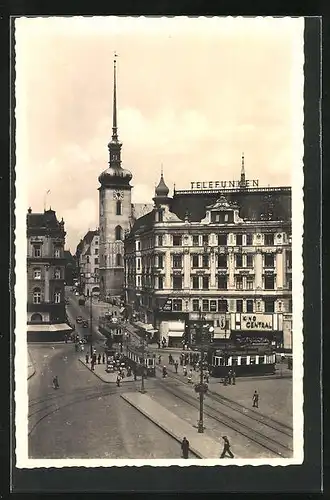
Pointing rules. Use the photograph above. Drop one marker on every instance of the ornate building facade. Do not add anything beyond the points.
(89, 263)
(46, 314)
(220, 255)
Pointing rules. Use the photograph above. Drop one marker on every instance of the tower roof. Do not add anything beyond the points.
(161, 189)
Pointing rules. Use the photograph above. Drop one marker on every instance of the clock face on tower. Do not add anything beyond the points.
(118, 195)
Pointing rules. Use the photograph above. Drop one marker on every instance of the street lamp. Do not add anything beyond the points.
(91, 322)
(201, 388)
(143, 365)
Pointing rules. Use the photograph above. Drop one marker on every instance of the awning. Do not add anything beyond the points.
(171, 333)
(176, 326)
(61, 327)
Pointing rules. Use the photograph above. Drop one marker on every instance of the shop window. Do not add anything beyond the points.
(160, 282)
(239, 260)
(177, 261)
(195, 260)
(195, 282)
(249, 239)
(177, 282)
(205, 260)
(36, 250)
(118, 233)
(177, 305)
(36, 296)
(222, 305)
(243, 361)
(36, 318)
(261, 360)
(239, 240)
(222, 282)
(118, 208)
(252, 360)
(205, 305)
(249, 306)
(269, 305)
(213, 306)
(222, 240)
(205, 282)
(195, 240)
(177, 240)
(249, 260)
(239, 282)
(37, 274)
(269, 239)
(195, 305)
(239, 305)
(269, 282)
(222, 261)
(234, 360)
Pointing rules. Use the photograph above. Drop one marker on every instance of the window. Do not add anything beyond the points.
(177, 282)
(36, 318)
(96, 251)
(57, 296)
(57, 274)
(195, 305)
(205, 282)
(269, 239)
(195, 260)
(249, 260)
(222, 240)
(222, 282)
(249, 239)
(57, 253)
(177, 305)
(160, 215)
(269, 305)
(87, 259)
(205, 260)
(195, 240)
(239, 240)
(177, 240)
(239, 282)
(289, 281)
(290, 305)
(205, 239)
(118, 233)
(96, 270)
(36, 251)
(239, 260)
(243, 360)
(213, 305)
(177, 261)
(239, 305)
(261, 360)
(222, 261)
(288, 260)
(119, 260)
(269, 260)
(222, 305)
(160, 283)
(138, 263)
(96, 242)
(195, 282)
(139, 281)
(160, 240)
(37, 274)
(138, 244)
(160, 261)
(249, 283)
(96, 260)
(205, 305)
(118, 208)
(269, 282)
(249, 306)
(36, 296)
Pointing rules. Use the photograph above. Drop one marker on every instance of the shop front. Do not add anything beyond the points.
(170, 323)
(257, 329)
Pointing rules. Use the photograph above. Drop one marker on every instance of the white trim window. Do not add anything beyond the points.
(37, 273)
(36, 296)
(57, 296)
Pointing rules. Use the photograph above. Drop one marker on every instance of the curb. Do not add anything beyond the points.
(96, 375)
(167, 431)
(33, 366)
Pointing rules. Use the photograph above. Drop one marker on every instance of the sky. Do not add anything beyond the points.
(193, 94)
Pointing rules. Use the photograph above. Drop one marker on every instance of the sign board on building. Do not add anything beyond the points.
(224, 184)
(168, 305)
(254, 322)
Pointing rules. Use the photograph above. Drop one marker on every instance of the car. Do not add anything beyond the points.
(85, 324)
(79, 319)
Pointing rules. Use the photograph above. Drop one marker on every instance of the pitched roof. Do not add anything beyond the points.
(88, 238)
(46, 220)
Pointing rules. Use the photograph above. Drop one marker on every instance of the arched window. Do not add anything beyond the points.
(57, 274)
(119, 260)
(118, 208)
(57, 296)
(37, 273)
(87, 259)
(36, 318)
(36, 296)
(118, 233)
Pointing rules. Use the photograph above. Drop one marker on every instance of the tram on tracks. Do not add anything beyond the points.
(134, 357)
(244, 360)
(111, 328)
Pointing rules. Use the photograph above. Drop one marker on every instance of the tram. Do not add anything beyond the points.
(134, 358)
(244, 361)
(111, 328)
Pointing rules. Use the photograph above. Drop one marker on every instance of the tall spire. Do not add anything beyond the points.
(114, 111)
(242, 172)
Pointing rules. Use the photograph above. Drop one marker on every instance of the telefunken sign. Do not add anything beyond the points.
(224, 184)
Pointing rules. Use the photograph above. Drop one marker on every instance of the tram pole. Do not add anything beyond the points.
(91, 322)
(201, 394)
(143, 366)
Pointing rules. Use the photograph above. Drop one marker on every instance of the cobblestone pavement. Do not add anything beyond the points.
(85, 418)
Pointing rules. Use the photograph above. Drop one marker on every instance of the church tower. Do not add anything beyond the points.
(114, 212)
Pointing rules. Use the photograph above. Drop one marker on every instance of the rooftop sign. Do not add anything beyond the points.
(224, 184)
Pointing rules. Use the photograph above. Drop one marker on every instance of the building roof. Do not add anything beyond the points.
(43, 220)
(88, 238)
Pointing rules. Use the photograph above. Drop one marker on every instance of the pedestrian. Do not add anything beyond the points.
(66, 339)
(226, 448)
(184, 371)
(92, 364)
(134, 374)
(234, 377)
(87, 359)
(207, 376)
(185, 447)
(230, 374)
(99, 359)
(170, 359)
(103, 358)
(225, 379)
(55, 382)
(158, 343)
(176, 364)
(159, 359)
(190, 376)
(164, 372)
(255, 400)
(118, 379)
(181, 359)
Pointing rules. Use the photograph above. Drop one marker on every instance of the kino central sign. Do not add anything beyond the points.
(224, 184)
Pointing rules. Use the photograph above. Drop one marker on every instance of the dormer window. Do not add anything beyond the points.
(226, 218)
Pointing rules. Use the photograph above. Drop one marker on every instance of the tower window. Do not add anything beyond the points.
(118, 208)
(118, 233)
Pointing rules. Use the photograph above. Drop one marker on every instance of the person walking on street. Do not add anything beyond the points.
(103, 358)
(176, 364)
(92, 364)
(158, 343)
(118, 379)
(185, 447)
(184, 371)
(234, 377)
(226, 448)
(56, 385)
(159, 359)
(87, 359)
(181, 359)
(190, 376)
(230, 374)
(255, 400)
(164, 372)
(99, 359)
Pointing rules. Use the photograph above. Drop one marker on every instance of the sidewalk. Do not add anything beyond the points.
(31, 366)
(109, 378)
(201, 445)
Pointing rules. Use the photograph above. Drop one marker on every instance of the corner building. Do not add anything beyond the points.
(223, 257)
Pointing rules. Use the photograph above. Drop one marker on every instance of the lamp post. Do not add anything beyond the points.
(143, 366)
(91, 322)
(202, 387)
